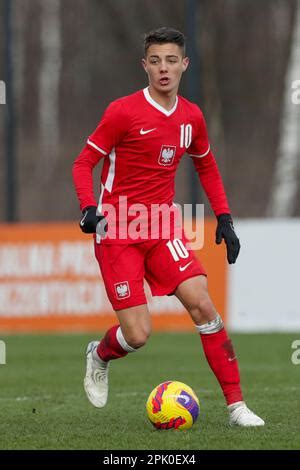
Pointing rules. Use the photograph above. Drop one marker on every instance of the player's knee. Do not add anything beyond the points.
(138, 338)
(202, 309)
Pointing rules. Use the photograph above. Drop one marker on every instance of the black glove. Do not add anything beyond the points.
(225, 230)
(90, 220)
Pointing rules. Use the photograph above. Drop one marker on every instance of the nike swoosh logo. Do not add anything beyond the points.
(142, 132)
(183, 268)
(230, 359)
(83, 219)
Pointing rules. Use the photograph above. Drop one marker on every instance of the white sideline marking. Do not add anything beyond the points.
(46, 397)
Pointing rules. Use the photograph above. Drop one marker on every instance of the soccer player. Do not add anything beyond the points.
(141, 138)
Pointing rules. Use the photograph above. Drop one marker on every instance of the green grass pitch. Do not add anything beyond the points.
(43, 405)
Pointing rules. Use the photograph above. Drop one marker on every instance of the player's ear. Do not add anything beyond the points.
(144, 64)
(185, 63)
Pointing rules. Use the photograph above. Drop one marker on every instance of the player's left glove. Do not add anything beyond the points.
(92, 222)
(225, 230)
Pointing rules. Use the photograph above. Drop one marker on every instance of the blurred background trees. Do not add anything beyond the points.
(71, 58)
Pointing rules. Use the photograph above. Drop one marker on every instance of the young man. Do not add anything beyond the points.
(142, 138)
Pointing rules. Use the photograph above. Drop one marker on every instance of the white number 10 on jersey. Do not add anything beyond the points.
(177, 249)
(185, 135)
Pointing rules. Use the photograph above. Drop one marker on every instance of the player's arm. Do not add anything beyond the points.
(212, 184)
(83, 181)
(211, 181)
(82, 172)
(110, 131)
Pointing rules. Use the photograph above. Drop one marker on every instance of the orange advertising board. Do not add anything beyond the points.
(50, 281)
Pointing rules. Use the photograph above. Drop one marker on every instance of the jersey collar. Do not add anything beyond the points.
(158, 106)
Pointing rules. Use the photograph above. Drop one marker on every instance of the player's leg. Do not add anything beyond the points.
(122, 269)
(171, 268)
(130, 334)
(217, 347)
(191, 290)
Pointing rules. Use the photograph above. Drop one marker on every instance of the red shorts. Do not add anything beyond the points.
(163, 263)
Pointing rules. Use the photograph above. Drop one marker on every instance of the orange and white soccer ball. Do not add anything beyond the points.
(172, 405)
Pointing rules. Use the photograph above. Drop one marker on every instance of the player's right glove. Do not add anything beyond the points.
(225, 230)
(90, 220)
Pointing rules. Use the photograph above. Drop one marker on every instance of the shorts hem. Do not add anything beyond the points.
(170, 291)
(129, 304)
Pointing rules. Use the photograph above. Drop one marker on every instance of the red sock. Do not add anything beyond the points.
(109, 347)
(221, 357)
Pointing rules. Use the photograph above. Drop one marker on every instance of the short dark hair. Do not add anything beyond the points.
(162, 36)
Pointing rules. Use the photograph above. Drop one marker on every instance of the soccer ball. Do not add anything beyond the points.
(172, 405)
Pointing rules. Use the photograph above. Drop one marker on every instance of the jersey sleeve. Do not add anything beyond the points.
(200, 146)
(211, 181)
(110, 130)
(83, 176)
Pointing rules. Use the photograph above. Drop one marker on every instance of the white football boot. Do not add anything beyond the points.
(240, 415)
(96, 377)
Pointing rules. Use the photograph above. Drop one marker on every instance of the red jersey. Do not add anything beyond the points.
(142, 144)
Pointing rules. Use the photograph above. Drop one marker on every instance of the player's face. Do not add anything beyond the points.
(164, 64)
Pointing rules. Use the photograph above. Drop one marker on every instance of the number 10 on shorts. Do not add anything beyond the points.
(177, 249)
